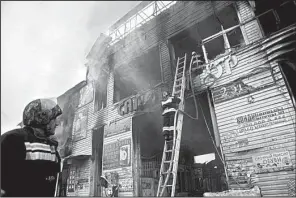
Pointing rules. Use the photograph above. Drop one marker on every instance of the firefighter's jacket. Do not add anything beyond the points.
(170, 104)
(29, 165)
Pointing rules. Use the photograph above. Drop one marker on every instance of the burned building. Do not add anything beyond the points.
(245, 90)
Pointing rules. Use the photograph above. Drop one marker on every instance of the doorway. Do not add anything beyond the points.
(148, 146)
(200, 166)
(97, 146)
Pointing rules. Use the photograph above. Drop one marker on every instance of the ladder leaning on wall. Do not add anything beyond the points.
(170, 156)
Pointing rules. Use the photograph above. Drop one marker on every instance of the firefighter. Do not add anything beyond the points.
(29, 158)
(169, 105)
(110, 192)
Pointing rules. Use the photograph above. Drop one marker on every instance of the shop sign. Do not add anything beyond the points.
(126, 185)
(267, 142)
(251, 122)
(118, 127)
(86, 95)
(272, 162)
(242, 86)
(139, 102)
(260, 120)
(80, 125)
(214, 70)
(117, 154)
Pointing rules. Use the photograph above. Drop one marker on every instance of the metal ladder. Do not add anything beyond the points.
(170, 156)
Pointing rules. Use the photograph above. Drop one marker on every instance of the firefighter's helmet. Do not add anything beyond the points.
(40, 112)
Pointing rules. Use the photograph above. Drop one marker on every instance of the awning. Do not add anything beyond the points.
(69, 159)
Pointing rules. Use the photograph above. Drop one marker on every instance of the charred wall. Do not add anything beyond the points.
(118, 128)
(68, 102)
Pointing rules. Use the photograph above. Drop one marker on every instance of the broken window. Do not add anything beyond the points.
(101, 93)
(225, 33)
(209, 32)
(141, 74)
(275, 15)
(122, 87)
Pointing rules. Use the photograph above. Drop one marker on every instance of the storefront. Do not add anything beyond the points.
(246, 109)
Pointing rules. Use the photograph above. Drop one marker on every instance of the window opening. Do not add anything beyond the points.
(209, 37)
(101, 93)
(275, 15)
(228, 38)
(141, 74)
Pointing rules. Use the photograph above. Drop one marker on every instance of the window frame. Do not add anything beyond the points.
(96, 108)
(222, 33)
(275, 15)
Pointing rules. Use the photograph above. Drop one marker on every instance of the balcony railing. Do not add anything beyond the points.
(143, 16)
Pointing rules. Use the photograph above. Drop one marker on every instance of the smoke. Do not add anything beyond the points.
(45, 45)
(149, 127)
(137, 42)
(134, 67)
(68, 102)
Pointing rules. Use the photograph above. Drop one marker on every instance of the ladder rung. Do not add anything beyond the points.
(166, 186)
(170, 159)
(167, 172)
(169, 140)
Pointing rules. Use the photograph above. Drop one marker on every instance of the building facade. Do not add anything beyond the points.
(244, 89)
